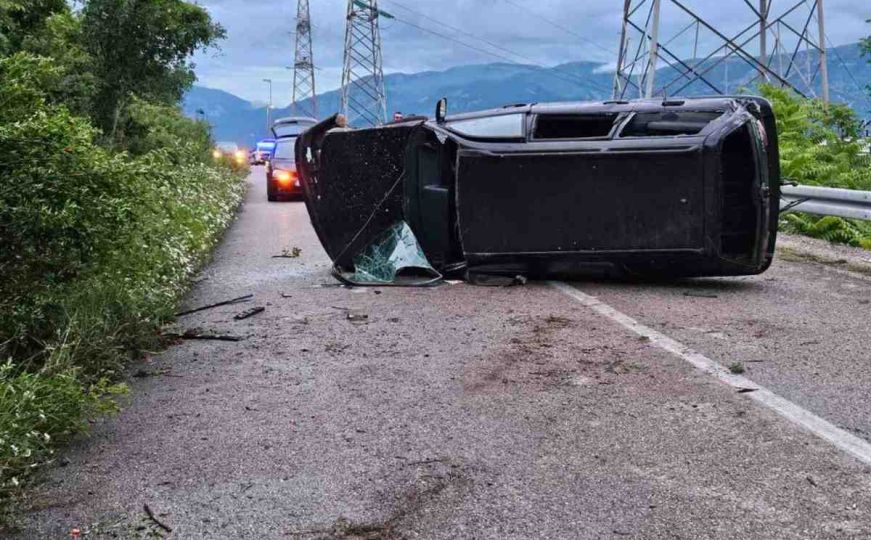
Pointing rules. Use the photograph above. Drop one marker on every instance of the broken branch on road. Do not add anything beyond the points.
(249, 313)
(217, 304)
(695, 294)
(153, 518)
(293, 253)
(195, 333)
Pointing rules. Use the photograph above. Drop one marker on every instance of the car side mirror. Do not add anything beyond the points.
(441, 110)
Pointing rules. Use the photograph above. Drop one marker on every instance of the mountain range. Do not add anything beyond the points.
(483, 86)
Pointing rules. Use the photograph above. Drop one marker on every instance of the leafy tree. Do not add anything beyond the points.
(60, 38)
(20, 18)
(142, 48)
(149, 127)
(820, 145)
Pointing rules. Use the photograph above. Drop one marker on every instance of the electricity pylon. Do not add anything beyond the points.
(304, 97)
(797, 59)
(363, 99)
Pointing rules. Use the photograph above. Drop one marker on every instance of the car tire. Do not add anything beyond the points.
(271, 196)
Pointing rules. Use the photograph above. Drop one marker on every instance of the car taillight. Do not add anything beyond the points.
(284, 177)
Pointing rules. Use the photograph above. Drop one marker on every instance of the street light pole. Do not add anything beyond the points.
(269, 107)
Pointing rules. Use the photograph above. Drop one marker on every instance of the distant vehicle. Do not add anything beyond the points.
(651, 188)
(262, 151)
(282, 180)
(229, 150)
(291, 126)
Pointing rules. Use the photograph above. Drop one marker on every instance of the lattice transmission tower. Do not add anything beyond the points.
(783, 41)
(304, 97)
(363, 98)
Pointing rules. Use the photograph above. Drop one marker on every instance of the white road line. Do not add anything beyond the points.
(843, 440)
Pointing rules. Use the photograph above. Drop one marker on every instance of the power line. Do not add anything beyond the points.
(549, 71)
(844, 65)
(561, 27)
(465, 33)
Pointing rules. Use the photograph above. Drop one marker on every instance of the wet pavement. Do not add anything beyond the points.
(469, 412)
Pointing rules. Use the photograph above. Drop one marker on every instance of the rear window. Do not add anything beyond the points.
(669, 123)
(574, 126)
(284, 149)
(290, 128)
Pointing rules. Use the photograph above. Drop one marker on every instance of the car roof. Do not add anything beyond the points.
(580, 107)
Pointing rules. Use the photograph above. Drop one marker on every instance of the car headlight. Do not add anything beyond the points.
(216, 154)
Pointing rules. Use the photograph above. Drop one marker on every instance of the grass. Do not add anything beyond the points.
(737, 368)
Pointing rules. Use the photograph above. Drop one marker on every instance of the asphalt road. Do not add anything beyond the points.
(469, 412)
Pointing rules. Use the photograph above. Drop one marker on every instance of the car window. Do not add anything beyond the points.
(290, 128)
(284, 149)
(227, 146)
(496, 127)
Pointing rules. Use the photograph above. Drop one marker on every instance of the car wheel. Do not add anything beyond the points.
(271, 196)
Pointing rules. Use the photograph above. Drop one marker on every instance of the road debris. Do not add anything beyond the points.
(357, 317)
(292, 253)
(737, 368)
(697, 294)
(142, 373)
(217, 304)
(153, 518)
(196, 333)
(518, 280)
(249, 313)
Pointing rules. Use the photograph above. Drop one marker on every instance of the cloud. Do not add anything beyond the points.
(435, 35)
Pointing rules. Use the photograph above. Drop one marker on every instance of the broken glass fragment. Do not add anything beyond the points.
(391, 252)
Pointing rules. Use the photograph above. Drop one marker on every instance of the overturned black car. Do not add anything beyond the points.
(649, 188)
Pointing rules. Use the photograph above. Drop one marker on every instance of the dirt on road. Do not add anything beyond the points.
(470, 412)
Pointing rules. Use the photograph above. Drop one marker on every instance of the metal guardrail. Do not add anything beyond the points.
(823, 201)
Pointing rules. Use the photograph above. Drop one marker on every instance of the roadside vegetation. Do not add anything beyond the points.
(109, 202)
(823, 146)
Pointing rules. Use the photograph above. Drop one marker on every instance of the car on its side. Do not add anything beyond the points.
(656, 188)
(282, 180)
(229, 150)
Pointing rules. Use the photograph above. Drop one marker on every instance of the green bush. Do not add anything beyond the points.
(820, 145)
(96, 248)
(40, 410)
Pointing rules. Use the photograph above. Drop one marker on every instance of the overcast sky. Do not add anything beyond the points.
(260, 36)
